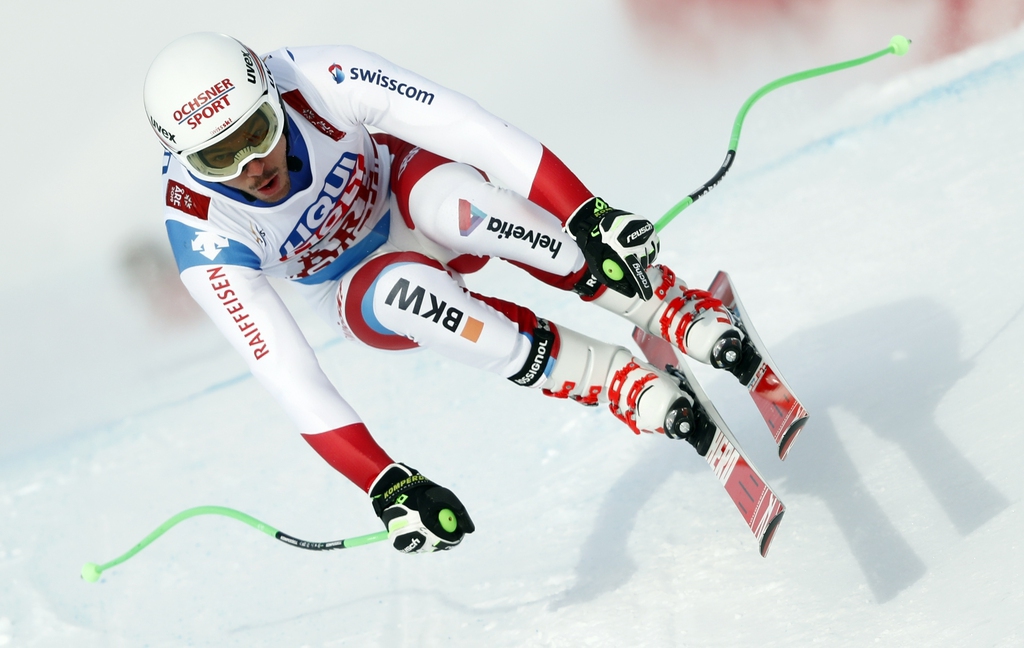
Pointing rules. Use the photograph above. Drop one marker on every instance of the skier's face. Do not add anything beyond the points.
(265, 178)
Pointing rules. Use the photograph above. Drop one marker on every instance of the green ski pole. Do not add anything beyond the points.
(91, 571)
(898, 45)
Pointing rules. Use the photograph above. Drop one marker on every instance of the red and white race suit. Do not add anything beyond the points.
(376, 231)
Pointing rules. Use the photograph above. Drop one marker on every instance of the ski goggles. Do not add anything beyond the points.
(255, 136)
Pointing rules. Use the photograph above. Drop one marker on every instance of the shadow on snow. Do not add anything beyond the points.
(890, 367)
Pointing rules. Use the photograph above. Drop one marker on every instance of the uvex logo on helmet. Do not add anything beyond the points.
(250, 69)
(163, 132)
(254, 66)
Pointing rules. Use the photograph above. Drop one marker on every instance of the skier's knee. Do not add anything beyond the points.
(436, 195)
(395, 279)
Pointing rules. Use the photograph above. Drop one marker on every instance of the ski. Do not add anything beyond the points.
(782, 411)
(760, 507)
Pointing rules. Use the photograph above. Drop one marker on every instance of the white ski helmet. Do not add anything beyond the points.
(213, 104)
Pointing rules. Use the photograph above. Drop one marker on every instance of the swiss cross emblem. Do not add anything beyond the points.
(184, 199)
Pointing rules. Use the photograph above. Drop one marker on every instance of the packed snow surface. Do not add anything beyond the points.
(875, 235)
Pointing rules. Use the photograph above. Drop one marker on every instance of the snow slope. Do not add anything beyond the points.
(876, 244)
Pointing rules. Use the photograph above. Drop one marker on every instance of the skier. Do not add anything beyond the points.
(271, 170)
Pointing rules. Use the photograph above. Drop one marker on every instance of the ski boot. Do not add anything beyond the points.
(692, 320)
(592, 372)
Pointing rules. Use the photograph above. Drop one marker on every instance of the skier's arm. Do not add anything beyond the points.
(250, 314)
(458, 128)
(370, 90)
(617, 245)
(420, 515)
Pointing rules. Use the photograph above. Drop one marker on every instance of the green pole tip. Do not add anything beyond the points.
(900, 45)
(447, 520)
(90, 572)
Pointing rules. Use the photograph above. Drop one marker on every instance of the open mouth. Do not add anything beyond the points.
(270, 186)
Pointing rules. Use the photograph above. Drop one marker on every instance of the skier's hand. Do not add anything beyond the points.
(618, 246)
(420, 516)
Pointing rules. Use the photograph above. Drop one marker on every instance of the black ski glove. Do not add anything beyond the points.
(420, 516)
(618, 246)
